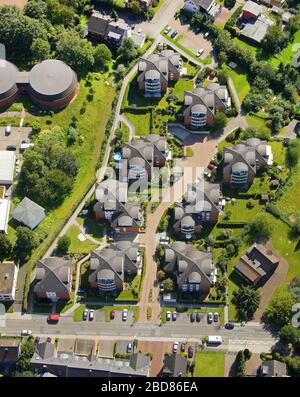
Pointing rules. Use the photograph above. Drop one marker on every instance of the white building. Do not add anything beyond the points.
(8, 281)
(4, 214)
(7, 166)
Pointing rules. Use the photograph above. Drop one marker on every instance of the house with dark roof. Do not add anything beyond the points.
(140, 156)
(209, 7)
(175, 366)
(29, 213)
(8, 281)
(9, 354)
(272, 369)
(53, 279)
(256, 265)
(112, 205)
(201, 204)
(109, 266)
(104, 27)
(242, 162)
(193, 270)
(156, 70)
(203, 103)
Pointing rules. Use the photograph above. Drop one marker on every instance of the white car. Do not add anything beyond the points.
(209, 318)
(129, 348)
(168, 316)
(175, 347)
(139, 31)
(124, 314)
(168, 29)
(26, 332)
(206, 35)
(91, 315)
(200, 52)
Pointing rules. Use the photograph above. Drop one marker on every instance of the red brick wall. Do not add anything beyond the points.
(198, 229)
(226, 177)
(248, 14)
(8, 101)
(187, 120)
(61, 295)
(56, 104)
(142, 85)
(214, 216)
(164, 86)
(210, 120)
(100, 215)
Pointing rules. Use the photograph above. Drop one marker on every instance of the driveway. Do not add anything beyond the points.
(226, 14)
(17, 135)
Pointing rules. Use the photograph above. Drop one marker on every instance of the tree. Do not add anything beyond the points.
(293, 154)
(161, 275)
(229, 3)
(26, 242)
(240, 364)
(63, 245)
(27, 351)
(275, 39)
(75, 51)
(279, 309)
(289, 334)
(5, 247)
(246, 299)
(247, 354)
(260, 226)
(102, 56)
(114, 15)
(296, 227)
(220, 122)
(59, 13)
(128, 51)
(36, 9)
(120, 71)
(168, 285)
(40, 50)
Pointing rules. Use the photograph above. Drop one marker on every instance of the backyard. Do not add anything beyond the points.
(208, 364)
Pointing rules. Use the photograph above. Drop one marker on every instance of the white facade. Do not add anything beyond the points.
(4, 214)
(7, 167)
(8, 282)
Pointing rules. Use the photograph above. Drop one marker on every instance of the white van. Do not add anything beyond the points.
(8, 130)
(214, 340)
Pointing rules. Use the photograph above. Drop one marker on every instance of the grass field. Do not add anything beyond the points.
(286, 55)
(254, 121)
(240, 81)
(243, 44)
(289, 202)
(141, 122)
(208, 364)
(77, 246)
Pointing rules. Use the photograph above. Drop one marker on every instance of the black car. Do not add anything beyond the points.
(229, 326)
(182, 347)
(192, 317)
(11, 147)
(198, 317)
(37, 340)
(174, 34)
(190, 352)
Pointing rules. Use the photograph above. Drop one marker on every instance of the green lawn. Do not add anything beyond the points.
(77, 246)
(289, 202)
(141, 122)
(240, 81)
(93, 227)
(209, 364)
(155, 9)
(255, 121)
(125, 132)
(248, 46)
(286, 55)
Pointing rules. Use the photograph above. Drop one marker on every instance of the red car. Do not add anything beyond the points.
(112, 314)
(211, 166)
(53, 318)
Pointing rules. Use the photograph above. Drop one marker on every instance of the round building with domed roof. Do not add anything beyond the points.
(9, 90)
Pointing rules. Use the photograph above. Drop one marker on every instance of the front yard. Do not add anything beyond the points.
(209, 364)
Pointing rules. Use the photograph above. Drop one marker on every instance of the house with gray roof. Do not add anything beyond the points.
(201, 204)
(112, 205)
(251, 10)
(193, 270)
(109, 266)
(272, 369)
(256, 265)
(8, 281)
(140, 157)
(256, 29)
(53, 279)
(242, 162)
(209, 7)
(175, 366)
(203, 103)
(29, 213)
(156, 70)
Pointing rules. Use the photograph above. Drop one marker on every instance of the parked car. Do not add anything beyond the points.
(174, 34)
(190, 352)
(200, 52)
(175, 347)
(161, 287)
(174, 316)
(216, 317)
(49, 339)
(91, 315)
(129, 348)
(11, 147)
(192, 317)
(112, 314)
(168, 316)
(212, 166)
(37, 340)
(139, 31)
(8, 130)
(124, 314)
(198, 317)
(209, 318)
(85, 315)
(229, 325)
(206, 35)
(168, 30)
(182, 347)
(26, 332)
(53, 318)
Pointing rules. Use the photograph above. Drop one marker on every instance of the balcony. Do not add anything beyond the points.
(106, 285)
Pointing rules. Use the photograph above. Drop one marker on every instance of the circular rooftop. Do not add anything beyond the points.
(8, 77)
(52, 80)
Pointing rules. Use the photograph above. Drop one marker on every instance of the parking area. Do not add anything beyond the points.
(118, 317)
(185, 318)
(100, 315)
(225, 14)
(191, 40)
(122, 346)
(15, 138)
(106, 348)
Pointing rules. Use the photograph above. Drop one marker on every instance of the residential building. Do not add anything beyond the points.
(9, 354)
(109, 266)
(4, 214)
(256, 265)
(53, 279)
(251, 10)
(8, 281)
(209, 7)
(145, 4)
(202, 203)
(112, 205)
(242, 162)
(203, 103)
(273, 369)
(104, 27)
(83, 365)
(193, 270)
(175, 366)
(29, 213)
(7, 165)
(140, 157)
(156, 70)
(256, 29)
